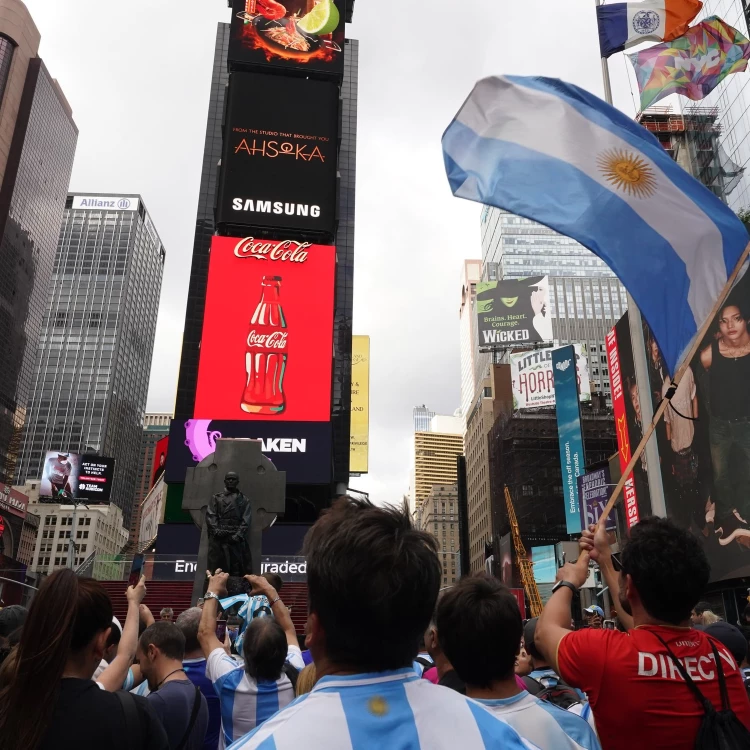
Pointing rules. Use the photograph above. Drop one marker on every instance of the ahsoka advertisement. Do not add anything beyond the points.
(534, 381)
(69, 476)
(628, 421)
(705, 462)
(359, 431)
(514, 312)
(160, 459)
(267, 346)
(279, 161)
(307, 34)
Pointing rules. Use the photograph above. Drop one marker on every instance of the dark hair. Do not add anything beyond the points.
(734, 301)
(237, 585)
(668, 567)
(479, 628)
(700, 608)
(115, 634)
(373, 581)
(66, 615)
(188, 623)
(265, 649)
(167, 637)
(275, 580)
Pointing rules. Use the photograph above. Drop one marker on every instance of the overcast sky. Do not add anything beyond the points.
(137, 76)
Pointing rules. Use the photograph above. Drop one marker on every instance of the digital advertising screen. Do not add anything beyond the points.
(70, 476)
(267, 346)
(307, 34)
(514, 312)
(160, 459)
(279, 163)
(301, 449)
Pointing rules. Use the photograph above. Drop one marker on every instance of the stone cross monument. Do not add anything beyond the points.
(259, 481)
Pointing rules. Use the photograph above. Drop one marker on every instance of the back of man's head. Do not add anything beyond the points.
(264, 649)
(275, 580)
(188, 622)
(668, 567)
(373, 581)
(166, 637)
(480, 628)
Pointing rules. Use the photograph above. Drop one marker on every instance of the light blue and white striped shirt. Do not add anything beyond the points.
(546, 725)
(245, 704)
(383, 710)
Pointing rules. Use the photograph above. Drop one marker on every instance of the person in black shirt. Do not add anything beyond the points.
(49, 701)
(447, 676)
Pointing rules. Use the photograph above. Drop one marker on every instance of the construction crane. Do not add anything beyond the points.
(525, 566)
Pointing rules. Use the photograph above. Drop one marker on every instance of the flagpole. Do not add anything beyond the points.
(697, 341)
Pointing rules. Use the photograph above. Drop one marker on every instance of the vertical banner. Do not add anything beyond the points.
(360, 421)
(594, 490)
(569, 432)
(630, 498)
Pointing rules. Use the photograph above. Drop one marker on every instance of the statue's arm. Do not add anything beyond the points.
(211, 519)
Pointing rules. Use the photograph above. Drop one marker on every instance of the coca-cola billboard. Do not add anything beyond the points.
(279, 163)
(266, 349)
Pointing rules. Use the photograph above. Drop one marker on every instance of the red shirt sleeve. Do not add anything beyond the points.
(582, 656)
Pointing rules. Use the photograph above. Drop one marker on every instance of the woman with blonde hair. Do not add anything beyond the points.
(306, 680)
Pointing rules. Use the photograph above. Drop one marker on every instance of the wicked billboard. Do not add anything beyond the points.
(279, 162)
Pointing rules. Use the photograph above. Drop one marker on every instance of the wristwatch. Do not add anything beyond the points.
(567, 584)
(211, 595)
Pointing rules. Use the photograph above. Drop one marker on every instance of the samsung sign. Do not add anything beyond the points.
(104, 203)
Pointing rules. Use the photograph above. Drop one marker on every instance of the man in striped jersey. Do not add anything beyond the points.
(480, 631)
(373, 582)
(252, 692)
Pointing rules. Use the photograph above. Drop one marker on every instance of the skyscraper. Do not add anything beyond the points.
(37, 144)
(471, 273)
(435, 455)
(422, 416)
(94, 355)
(344, 241)
(586, 299)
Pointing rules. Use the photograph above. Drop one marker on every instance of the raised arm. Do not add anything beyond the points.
(217, 584)
(113, 677)
(281, 613)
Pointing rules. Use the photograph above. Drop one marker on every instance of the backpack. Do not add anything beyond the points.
(719, 730)
(426, 663)
(559, 694)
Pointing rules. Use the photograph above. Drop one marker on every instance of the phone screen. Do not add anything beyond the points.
(221, 630)
(233, 631)
(609, 624)
(136, 570)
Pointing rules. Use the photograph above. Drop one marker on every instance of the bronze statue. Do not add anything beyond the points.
(228, 520)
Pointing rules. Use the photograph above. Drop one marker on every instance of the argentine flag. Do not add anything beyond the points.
(554, 153)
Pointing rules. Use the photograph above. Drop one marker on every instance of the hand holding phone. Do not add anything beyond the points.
(221, 630)
(136, 569)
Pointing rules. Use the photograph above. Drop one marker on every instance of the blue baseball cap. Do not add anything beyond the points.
(594, 610)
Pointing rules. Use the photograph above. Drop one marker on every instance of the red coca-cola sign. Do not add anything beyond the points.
(266, 350)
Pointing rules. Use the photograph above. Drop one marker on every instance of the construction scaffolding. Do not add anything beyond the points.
(525, 567)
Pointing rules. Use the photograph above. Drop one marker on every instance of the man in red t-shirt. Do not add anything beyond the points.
(637, 695)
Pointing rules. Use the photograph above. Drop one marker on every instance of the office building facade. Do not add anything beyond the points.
(37, 145)
(93, 359)
(438, 516)
(435, 456)
(471, 274)
(422, 417)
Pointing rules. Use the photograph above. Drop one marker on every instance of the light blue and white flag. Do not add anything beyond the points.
(553, 153)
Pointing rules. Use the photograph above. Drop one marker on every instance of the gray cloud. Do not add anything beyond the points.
(137, 77)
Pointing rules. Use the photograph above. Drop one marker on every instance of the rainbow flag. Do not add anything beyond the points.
(692, 65)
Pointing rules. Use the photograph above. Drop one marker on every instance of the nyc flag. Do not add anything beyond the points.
(554, 153)
(692, 65)
(622, 25)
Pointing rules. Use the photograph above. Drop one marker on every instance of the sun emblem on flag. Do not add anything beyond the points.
(628, 172)
(378, 706)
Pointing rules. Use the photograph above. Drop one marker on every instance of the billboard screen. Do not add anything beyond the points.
(534, 382)
(360, 421)
(594, 490)
(160, 459)
(514, 312)
(704, 437)
(544, 563)
(152, 512)
(279, 163)
(290, 34)
(628, 425)
(70, 476)
(267, 346)
(301, 449)
(569, 432)
(13, 501)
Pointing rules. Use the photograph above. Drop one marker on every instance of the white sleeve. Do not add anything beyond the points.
(294, 657)
(218, 664)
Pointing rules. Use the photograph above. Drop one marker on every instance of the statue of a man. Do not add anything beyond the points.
(228, 520)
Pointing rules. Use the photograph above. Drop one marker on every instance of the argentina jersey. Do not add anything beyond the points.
(244, 703)
(382, 710)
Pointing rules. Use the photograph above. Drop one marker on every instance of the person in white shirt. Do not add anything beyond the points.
(480, 630)
(252, 692)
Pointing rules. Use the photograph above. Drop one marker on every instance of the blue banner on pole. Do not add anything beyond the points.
(569, 432)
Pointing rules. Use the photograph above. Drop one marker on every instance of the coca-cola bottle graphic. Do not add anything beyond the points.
(265, 360)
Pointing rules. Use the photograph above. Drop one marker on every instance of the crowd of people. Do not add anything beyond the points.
(387, 662)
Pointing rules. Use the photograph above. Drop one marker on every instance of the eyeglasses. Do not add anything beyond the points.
(616, 561)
